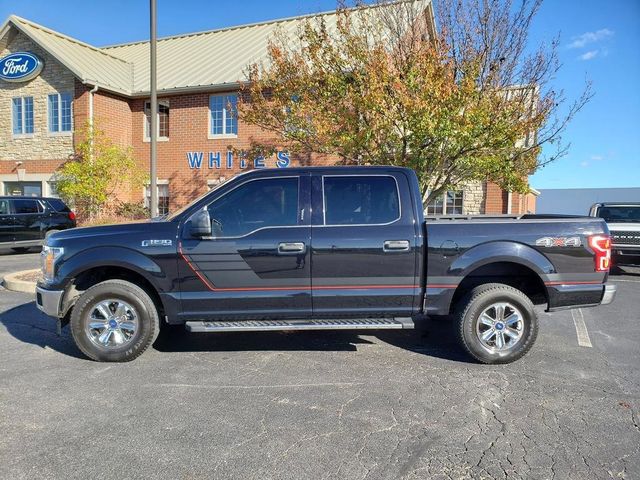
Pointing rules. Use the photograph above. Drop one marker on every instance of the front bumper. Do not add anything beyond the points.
(625, 256)
(48, 301)
(609, 294)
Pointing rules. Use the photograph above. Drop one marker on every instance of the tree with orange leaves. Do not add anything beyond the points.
(379, 86)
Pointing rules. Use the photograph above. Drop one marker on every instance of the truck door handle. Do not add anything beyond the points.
(291, 247)
(395, 245)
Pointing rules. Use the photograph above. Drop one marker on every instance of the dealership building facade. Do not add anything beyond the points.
(44, 109)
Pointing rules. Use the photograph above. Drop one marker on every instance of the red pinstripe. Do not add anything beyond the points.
(213, 288)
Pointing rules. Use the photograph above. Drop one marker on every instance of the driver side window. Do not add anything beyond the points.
(269, 202)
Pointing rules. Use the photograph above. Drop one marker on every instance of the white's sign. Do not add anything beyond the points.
(214, 160)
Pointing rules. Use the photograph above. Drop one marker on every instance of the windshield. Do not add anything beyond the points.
(178, 212)
(620, 214)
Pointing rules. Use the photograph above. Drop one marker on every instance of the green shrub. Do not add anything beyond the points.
(132, 210)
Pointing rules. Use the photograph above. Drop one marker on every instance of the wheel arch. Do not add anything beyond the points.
(511, 263)
(97, 265)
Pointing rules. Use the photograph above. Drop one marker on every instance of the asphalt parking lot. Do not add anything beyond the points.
(323, 405)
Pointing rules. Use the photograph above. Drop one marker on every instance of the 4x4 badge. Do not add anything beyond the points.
(558, 242)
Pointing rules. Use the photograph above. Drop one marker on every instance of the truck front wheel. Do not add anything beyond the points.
(496, 323)
(114, 321)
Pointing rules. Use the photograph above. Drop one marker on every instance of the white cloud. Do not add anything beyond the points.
(584, 164)
(597, 157)
(589, 55)
(590, 37)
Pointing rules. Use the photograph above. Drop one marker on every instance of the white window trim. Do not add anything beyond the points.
(60, 132)
(43, 178)
(214, 136)
(23, 135)
(148, 185)
(444, 204)
(214, 182)
(146, 138)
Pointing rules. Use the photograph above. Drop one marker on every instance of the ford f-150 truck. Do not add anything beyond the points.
(321, 249)
(623, 220)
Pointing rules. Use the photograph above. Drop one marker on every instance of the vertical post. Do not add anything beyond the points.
(153, 184)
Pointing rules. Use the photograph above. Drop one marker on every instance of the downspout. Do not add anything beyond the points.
(91, 92)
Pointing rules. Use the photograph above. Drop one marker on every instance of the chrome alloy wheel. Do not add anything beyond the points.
(111, 323)
(500, 327)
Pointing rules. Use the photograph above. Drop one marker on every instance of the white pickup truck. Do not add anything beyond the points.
(623, 220)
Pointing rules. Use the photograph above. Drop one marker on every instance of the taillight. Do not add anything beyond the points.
(601, 246)
(72, 216)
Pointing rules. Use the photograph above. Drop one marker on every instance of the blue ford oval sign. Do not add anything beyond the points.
(20, 67)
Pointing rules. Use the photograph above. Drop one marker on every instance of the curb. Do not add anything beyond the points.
(11, 282)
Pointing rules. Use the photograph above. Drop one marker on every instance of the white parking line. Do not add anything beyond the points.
(581, 328)
(623, 280)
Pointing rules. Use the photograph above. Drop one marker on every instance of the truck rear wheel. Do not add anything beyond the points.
(114, 321)
(496, 323)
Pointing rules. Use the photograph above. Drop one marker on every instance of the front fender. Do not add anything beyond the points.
(501, 251)
(111, 257)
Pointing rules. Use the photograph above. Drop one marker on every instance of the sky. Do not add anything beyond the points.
(599, 42)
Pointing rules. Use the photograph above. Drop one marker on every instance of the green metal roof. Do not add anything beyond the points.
(209, 60)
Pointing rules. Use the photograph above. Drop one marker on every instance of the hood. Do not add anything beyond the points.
(116, 230)
(623, 226)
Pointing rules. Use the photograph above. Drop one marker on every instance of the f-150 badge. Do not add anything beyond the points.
(559, 242)
(157, 243)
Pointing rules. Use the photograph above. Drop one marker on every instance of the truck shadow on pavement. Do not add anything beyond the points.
(27, 324)
(432, 338)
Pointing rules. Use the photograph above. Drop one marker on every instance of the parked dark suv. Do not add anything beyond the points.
(26, 221)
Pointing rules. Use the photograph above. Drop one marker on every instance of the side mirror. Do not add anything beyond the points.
(200, 224)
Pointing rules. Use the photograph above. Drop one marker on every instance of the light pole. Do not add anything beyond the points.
(153, 186)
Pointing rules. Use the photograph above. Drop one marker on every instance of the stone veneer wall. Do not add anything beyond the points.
(473, 200)
(41, 150)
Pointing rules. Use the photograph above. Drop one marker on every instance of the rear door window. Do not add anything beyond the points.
(26, 206)
(360, 200)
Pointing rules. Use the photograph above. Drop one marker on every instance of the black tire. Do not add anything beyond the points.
(482, 299)
(147, 325)
(21, 249)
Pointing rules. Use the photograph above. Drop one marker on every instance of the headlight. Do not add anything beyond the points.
(48, 258)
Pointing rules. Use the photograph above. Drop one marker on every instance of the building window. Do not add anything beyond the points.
(449, 203)
(224, 114)
(53, 189)
(22, 115)
(163, 198)
(23, 189)
(436, 206)
(163, 119)
(59, 106)
(454, 202)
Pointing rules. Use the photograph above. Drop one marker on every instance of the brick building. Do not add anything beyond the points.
(198, 80)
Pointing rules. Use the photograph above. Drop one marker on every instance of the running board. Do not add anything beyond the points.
(286, 325)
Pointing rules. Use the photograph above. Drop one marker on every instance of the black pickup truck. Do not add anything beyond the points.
(321, 249)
